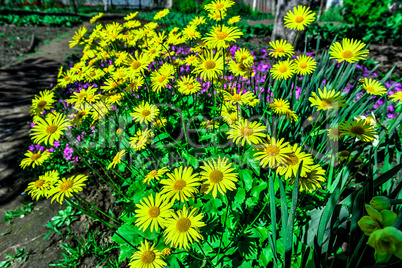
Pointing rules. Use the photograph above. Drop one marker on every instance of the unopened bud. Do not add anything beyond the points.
(380, 203)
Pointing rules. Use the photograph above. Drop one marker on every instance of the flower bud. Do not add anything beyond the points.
(166, 252)
(368, 225)
(380, 202)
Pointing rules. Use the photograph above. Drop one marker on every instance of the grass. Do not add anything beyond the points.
(18, 212)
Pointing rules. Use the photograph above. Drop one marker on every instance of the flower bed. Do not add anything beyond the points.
(223, 156)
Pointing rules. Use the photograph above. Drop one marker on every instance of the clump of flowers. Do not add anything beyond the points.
(200, 139)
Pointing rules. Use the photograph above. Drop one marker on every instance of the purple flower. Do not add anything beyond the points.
(56, 144)
(31, 147)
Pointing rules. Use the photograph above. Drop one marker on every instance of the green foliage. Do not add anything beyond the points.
(66, 217)
(32, 20)
(18, 212)
(365, 11)
(20, 256)
(333, 14)
(86, 247)
(371, 21)
(187, 7)
(177, 19)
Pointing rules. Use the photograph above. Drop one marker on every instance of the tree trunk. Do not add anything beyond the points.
(105, 5)
(279, 31)
(322, 6)
(169, 4)
(273, 5)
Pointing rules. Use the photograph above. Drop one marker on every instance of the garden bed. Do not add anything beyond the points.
(252, 243)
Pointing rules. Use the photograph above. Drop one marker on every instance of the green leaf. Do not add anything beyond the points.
(125, 252)
(122, 167)
(190, 160)
(265, 257)
(240, 197)
(249, 161)
(246, 176)
(386, 176)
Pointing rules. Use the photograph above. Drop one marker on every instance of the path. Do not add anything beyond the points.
(18, 85)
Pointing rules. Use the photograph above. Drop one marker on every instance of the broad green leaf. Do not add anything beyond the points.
(246, 176)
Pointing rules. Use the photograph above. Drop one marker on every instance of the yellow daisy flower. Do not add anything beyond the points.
(279, 106)
(49, 130)
(350, 50)
(66, 187)
(242, 69)
(190, 32)
(161, 14)
(147, 257)
(292, 163)
(155, 174)
(218, 176)
(145, 112)
(137, 64)
(35, 158)
(312, 180)
(299, 18)
(182, 228)
(273, 152)
(374, 87)
(79, 35)
(334, 133)
(209, 124)
(96, 18)
(132, 24)
(396, 97)
(99, 110)
(180, 185)
(217, 15)
(327, 100)
(117, 159)
(152, 212)
(358, 129)
(283, 70)
(291, 116)
(65, 79)
(238, 98)
(198, 21)
(210, 66)
(219, 5)
(234, 20)
(160, 79)
(304, 64)
(78, 98)
(42, 186)
(141, 139)
(246, 131)
(42, 102)
(280, 48)
(160, 122)
(131, 16)
(243, 55)
(191, 60)
(188, 85)
(219, 37)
